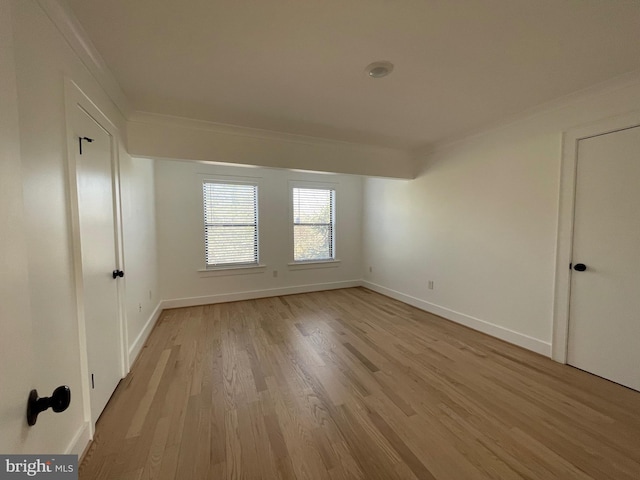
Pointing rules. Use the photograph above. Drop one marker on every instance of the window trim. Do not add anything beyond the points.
(247, 267)
(308, 264)
(315, 263)
(244, 269)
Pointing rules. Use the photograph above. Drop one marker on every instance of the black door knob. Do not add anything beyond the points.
(579, 267)
(58, 402)
(118, 273)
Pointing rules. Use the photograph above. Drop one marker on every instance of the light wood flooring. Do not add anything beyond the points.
(349, 384)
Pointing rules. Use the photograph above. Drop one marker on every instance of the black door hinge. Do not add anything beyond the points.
(93, 385)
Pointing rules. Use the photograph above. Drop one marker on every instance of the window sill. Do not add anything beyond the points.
(232, 270)
(314, 264)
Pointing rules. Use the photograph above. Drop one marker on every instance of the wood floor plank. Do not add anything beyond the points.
(349, 384)
(410, 459)
(145, 404)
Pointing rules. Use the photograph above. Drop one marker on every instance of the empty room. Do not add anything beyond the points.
(365, 239)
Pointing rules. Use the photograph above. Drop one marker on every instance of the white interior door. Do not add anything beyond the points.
(96, 209)
(17, 369)
(604, 321)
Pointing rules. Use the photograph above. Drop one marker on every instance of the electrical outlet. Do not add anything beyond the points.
(430, 285)
(275, 274)
(370, 269)
(139, 307)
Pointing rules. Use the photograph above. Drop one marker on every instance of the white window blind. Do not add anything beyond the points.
(230, 224)
(313, 224)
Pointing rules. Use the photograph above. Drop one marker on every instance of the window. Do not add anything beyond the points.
(313, 224)
(230, 224)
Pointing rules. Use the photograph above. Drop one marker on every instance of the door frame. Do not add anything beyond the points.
(74, 96)
(564, 245)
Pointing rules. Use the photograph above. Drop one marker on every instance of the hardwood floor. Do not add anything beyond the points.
(349, 384)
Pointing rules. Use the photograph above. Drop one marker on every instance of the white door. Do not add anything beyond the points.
(604, 321)
(96, 208)
(17, 369)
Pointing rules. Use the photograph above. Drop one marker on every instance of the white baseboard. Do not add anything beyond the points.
(80, 441)
(520, 339)
(524, 341)
(137, 345)
(249, 295)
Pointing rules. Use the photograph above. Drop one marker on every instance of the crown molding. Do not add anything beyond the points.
(75, 35)
(235, 130)
(574, 98)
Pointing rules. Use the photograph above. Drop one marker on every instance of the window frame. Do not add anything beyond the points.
(313, 263)
(243, 267)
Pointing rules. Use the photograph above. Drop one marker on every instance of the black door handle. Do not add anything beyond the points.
(58, 402)
(118, 273)
(579, 267)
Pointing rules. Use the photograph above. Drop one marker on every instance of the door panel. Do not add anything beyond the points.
(17, 373)
(604, 323)
(98, 247)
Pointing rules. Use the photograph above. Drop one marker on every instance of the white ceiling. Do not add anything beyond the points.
(297, 66)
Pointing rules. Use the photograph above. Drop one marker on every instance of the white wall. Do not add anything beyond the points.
(140, 253)
(480, 220)
(181, 240)
(43, 59)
